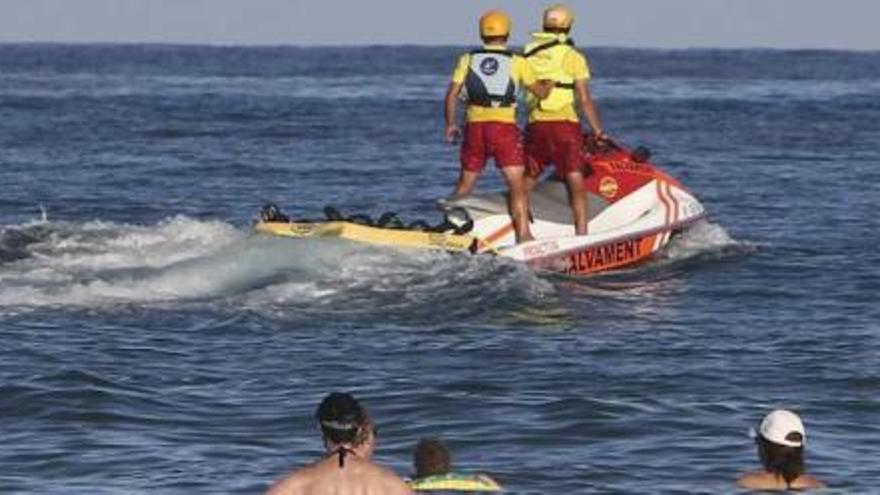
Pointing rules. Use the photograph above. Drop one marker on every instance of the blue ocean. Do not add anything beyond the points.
(151, 343)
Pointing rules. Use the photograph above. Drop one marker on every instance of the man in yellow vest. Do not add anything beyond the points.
(553, 134)
(488, 79)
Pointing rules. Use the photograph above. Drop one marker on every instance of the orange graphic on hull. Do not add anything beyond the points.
(604, 257)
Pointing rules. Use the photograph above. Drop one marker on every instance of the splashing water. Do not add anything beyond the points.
(183, 259)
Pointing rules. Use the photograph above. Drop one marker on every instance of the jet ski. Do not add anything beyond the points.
(634, 209)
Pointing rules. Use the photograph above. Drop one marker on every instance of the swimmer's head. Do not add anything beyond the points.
(780, 439)
(343, 420)
(783, 427)
(431, 458)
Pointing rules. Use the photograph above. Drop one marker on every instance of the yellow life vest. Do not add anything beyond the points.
(488, 82)
(545, 55)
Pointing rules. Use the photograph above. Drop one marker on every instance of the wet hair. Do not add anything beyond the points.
(342, 419)
(495, 40)
(783, 461)
(431, 458)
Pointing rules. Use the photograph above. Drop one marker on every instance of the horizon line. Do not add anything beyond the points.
(235, 44)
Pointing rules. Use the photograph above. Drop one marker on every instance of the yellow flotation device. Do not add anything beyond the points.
(388, 230)
(455, 482)
(369, 235)
(545, 55)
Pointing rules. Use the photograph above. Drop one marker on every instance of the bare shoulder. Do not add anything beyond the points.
(756, 481)
(769, 481)
(805, 482)
(293, 483)
(393, 484)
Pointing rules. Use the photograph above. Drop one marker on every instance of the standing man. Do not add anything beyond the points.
(346, 469)
(554, 133)
(489, 79)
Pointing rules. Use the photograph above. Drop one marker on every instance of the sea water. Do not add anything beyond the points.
(152, 344)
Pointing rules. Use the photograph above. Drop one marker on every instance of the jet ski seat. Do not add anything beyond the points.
(548, 201)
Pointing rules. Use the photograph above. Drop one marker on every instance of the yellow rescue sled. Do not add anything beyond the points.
(387, 231)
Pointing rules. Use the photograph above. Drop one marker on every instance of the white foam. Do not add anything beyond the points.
(179, 259)
(184, 259)
(367, 279)
(96, 262)
(701, 238)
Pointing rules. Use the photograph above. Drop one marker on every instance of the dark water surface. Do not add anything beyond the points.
(150, 344)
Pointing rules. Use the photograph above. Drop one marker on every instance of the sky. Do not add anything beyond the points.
(835, 24)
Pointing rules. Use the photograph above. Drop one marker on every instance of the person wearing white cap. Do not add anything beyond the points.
(780, 438)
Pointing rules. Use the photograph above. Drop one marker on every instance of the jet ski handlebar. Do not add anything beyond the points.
(600, 145)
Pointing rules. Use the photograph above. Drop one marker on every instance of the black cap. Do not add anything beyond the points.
(340, 416)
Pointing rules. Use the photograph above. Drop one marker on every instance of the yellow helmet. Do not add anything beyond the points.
(558, 17)
(494, 23)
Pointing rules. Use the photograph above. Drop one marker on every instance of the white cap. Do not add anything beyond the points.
(779, 424)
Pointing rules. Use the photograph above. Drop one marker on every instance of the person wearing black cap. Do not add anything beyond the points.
(780, 439)
(349, 439)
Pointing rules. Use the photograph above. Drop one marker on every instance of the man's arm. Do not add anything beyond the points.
(541, 88)
(587, 107)
(451, 103)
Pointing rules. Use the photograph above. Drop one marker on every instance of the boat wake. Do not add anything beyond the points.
(181, 259)
(703, 241)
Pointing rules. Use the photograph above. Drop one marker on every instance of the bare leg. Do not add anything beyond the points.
(530, 182)
(577, 199)
(519, 202)
(466, 182)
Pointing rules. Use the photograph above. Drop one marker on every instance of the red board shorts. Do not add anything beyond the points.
(499, 140)
(559, 142)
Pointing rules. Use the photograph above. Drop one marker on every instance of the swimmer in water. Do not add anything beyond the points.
(433, 464)
(780, 438)
(346, 468)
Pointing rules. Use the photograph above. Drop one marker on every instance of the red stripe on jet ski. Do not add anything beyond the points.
(674, 202)
(665, 201)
